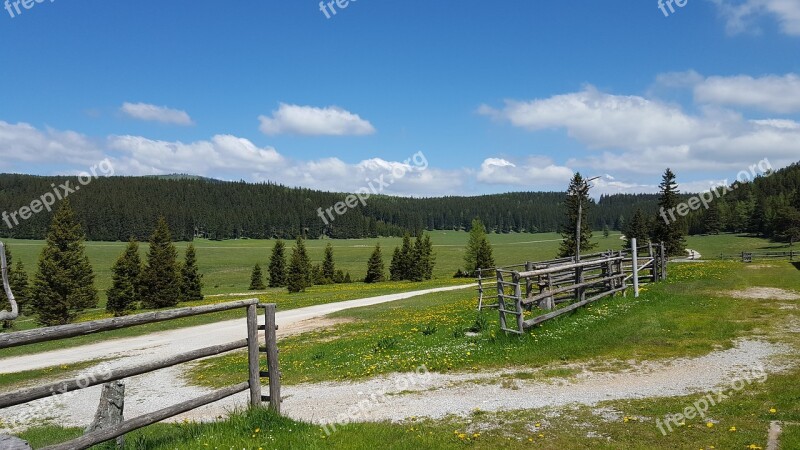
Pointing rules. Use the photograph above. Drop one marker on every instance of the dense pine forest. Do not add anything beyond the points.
(769, 206)
(118, 208)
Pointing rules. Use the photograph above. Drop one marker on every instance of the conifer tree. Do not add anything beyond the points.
(479, 251)
(161, 283)
(638, 228)
(18, 279)
(395, 271)
(277, 265)
(429, 258)
(328, 266)
(577, 200)
(257, 279)
(670, 232)
(191, 278)
(64, 282)
(4, 304)
(126, 281)
(375, 267)
(299, 274)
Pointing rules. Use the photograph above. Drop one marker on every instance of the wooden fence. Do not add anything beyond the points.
(253, 383)
(749, 257)
(556, 287)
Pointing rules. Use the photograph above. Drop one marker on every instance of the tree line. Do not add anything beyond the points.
(118, 208)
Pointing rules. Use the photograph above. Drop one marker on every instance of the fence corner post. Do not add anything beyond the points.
(635, 260)
(253, 359)
(272, 358)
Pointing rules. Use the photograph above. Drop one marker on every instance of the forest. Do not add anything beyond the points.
(120, 208)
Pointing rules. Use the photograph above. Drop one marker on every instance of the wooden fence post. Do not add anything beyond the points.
(274, 372)
(635, 259)
(480, 290)
(253, 359)
(501, 302)
(528, 280)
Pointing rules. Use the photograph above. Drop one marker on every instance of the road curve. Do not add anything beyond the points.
(135, 350)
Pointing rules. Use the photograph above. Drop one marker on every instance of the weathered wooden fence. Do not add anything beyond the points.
(253, 383)
(559, 286)
(748, 257)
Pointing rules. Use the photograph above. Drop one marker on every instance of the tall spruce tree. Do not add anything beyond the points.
(479, 251)
(64, 282)
(328, 266)
(577, 200)
(161, 283)
(126, 281)
(669, 229)
(375, 267)
(277, 265)
(257, 279)
(395, 269)
(191, 278)
(638, 228)
(428, 258)
(4, 303)
(18, 279)
(299, 276)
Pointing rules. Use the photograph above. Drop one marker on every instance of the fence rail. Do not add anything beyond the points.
(254, 376)
(559, 286)
(748, 257)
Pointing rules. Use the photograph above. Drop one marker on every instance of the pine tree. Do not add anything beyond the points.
(299, 275)
(328, 266)
(417, 269)
(375, 267)
(4, 303)
(257, 279)
(126, 281)
(406, 263)
(18, 279)
(161, 281)
(479, 251)
(395, 271)
(277, 265)
(429, 258)
(64, 282)
(638, 228)
(191, 278)
(606, 231)
(712, 223)
(577, 200)
(670, 232)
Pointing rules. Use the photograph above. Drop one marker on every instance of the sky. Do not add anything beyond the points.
(459, 98)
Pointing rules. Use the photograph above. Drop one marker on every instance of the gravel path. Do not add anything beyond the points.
(401, 396)
(151, 347)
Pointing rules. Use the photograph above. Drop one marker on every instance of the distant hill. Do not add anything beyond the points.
(117, 208)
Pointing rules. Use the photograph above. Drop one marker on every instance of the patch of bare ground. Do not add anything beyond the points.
(764, 293)
(314, 324)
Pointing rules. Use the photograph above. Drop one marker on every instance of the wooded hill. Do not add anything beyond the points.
(117, 208)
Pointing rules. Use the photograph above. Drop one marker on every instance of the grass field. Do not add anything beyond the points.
(692, 314)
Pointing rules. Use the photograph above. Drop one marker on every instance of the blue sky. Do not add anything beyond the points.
(498, 96)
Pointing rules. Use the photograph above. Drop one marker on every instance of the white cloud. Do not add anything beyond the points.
(23, 143)
(603, 120)
(153, 113)
(313, 121)
(534, 172)
(644, 136)
(777, 94)
(740, 16)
